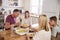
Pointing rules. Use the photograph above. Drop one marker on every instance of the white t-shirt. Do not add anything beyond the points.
(42, 35)
(55, 30)
(26, 21)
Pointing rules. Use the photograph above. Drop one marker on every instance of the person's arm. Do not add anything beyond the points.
(18, 21)
(52, 37)
(36, 30)
(27, 37)
(7, 25)
(17, 24)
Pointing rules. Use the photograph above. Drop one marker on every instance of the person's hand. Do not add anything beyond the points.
(7, 25)
(28, 38)
(35, 30)
(17, 24)
(30, 26)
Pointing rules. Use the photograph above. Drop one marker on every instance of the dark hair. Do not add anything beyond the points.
(28, 13)
(20, 11)
(16, 10)
(53, 18)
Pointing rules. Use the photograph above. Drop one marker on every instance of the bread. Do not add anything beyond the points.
(25, 25)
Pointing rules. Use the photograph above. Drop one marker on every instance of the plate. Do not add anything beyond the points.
(22, 31)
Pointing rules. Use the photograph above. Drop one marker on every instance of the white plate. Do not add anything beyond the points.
(25, 31)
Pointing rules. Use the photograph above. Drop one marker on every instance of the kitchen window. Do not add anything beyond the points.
(36, 6)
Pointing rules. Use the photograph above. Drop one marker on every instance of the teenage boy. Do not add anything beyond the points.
(55, 28)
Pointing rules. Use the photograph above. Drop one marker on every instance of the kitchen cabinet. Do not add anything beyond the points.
(12, 3)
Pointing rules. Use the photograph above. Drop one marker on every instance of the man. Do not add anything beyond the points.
(55, 28)
(19, 18)
(10, 20)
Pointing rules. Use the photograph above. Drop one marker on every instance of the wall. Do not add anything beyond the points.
(26, 4)
(50, 8)
(59, 9)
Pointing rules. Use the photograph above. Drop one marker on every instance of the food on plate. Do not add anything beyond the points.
(25, 25)
(21, 30)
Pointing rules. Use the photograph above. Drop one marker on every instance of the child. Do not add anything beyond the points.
(54, 27)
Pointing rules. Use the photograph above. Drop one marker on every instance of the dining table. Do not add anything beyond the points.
(7, 35)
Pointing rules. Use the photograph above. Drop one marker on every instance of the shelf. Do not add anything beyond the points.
(12, 3)
(11, 7)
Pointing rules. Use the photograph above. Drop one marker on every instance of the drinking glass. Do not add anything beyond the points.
(12, 30)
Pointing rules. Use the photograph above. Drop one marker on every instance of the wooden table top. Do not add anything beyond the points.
(8, 36)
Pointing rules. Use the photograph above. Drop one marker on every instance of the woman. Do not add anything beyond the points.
(43, 30)
(26, 19)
